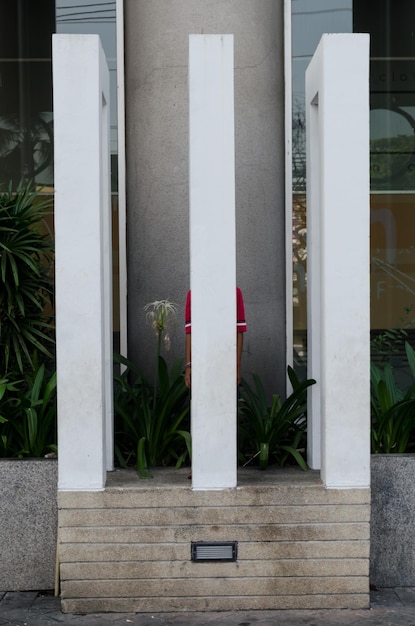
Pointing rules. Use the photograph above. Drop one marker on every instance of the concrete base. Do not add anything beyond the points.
(128, 548)
(392, 533)
(28, 523)
(28, 517)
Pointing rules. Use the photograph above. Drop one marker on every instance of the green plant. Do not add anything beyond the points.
(393, 410)
(277, 430)
(148, 418)
(26, 280)
(159, 314)
(28, 414)
(7, 388)
(28, 384)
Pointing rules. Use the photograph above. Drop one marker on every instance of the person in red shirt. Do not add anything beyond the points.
(241, 328)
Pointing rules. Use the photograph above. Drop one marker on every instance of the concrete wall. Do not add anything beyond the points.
(392, 529)
(156, 37)
(28, 523)
(28, 519)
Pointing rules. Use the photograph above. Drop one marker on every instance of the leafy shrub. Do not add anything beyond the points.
(274, 432)
(27, 377)
(26, 280)
(28, 414)
(149, 418)
(393, 410)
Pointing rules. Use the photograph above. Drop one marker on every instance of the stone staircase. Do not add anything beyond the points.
(299, 545)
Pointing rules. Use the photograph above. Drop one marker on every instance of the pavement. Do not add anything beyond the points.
(389, 607)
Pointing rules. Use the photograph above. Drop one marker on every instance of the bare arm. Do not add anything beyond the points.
(239, 347)
(188, 360)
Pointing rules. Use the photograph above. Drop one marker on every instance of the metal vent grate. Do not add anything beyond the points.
(214, 551)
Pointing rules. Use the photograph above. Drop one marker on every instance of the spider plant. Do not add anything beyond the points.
(275, 430)
(149, 419)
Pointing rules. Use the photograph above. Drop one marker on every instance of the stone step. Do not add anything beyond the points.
(350, 531)
(164, 604)
(214, 515)
(142, 570)
(153, 496)
(299, 546)
(212, 586)
(247, 551)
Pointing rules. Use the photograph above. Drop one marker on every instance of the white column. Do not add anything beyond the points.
(212, 261)
(83, 261)
(288, 119)
(337, 104)
(122, 195)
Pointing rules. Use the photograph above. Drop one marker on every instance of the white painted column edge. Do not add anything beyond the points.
(289, 325)
(122, 199)
(313, 262)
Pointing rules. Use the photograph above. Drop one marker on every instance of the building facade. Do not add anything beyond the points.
(152, 40)
(274, 41)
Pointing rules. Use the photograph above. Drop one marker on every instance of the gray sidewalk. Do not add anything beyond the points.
(394, 607)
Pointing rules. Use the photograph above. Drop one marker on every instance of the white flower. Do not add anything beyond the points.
(159, 314)
(166, 341)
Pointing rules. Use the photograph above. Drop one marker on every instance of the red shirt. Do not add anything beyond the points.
(240, 313)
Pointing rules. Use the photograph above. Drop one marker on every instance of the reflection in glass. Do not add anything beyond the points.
(392, 148)
(95, 18)
(26, 117)
(392, 261)
(26, 139)
(309, 21)
(392, 153)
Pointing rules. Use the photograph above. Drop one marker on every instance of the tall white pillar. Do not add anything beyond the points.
(337, 108)
(83, 261)
(212, 261)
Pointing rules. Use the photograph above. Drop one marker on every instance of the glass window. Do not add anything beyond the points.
(392, 152)
(97, 18)
(26, 140)
(310, 19)
(74, 17)
(392, 160)
(26, 116)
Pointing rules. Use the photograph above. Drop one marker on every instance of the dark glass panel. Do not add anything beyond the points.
(390, 24)
(26, 146)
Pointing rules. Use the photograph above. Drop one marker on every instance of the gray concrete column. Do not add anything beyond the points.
(156, 62)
